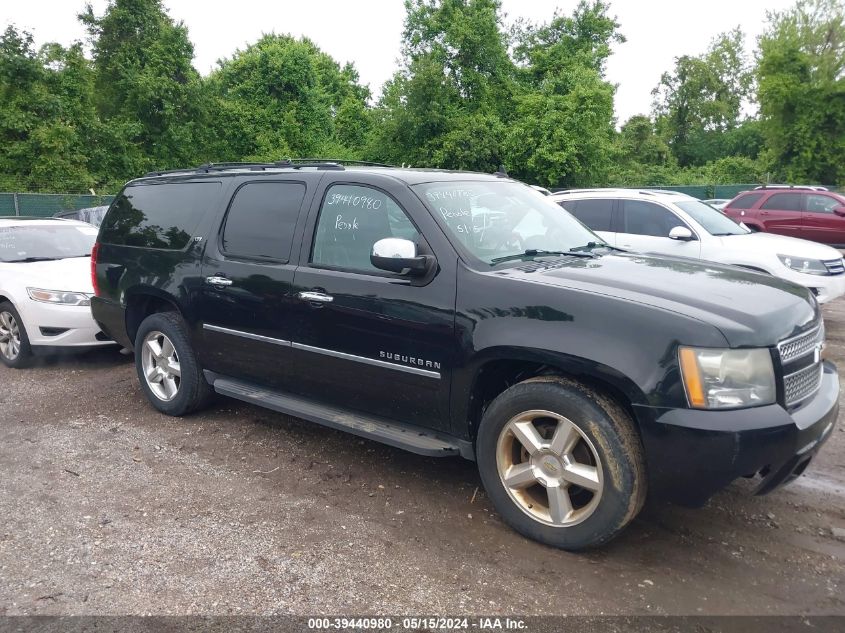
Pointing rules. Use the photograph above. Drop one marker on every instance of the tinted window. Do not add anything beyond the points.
(821, 204)
(783, 202)
(352, 219)
(569, 205)
(262, 219)
(745, 202)
(647, 218)
(158, 216)
(595, 213)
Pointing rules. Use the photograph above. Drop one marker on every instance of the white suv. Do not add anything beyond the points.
(671, 223)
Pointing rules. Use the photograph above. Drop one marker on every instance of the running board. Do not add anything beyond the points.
(411, 438)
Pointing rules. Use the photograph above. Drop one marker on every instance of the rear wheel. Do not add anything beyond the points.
(562, 463)
(167, 366)
(15, 350)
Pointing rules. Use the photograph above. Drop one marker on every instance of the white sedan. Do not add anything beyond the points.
(670, 223)
(45, 288)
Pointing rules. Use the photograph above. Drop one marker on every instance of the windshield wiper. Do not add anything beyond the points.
(28, 260)
(534, 252)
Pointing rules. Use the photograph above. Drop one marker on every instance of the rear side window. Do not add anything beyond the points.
(783, 202)
(596, 214)
(745, 202)
(569, 205)
(158, 216)
(262, 219)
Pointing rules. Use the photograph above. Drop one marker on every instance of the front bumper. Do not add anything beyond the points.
(692, 454)
(57, 326)
(825, 287)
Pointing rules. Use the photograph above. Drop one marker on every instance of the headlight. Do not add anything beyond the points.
(727, 378)
(803, 265)
(60, 297)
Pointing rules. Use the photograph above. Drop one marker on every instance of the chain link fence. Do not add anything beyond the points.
(45, 205)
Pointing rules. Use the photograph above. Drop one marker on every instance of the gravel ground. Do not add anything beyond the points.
(107, 507)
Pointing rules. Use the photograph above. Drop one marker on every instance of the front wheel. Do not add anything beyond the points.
(167, 366)
(561, 463)
(15, 350)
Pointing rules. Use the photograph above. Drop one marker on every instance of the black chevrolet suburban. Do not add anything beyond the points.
(453, 313)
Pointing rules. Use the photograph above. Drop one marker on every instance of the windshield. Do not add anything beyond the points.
(497, 220)
(37, 243)
(710, 219)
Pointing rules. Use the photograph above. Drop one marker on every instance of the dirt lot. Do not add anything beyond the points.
(109, 508)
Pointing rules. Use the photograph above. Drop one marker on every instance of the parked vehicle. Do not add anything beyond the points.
(45, 288)
(453, 313)
(670, 223)
(810, 213)
(91, 215)
(542, 190)
(717, 203)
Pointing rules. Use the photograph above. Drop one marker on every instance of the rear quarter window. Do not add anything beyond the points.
(162, 216)
(745, 201)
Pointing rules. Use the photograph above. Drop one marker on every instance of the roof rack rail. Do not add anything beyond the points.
(333, 164)
(801, 187)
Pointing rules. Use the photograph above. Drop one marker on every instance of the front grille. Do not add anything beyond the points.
(800, 345)
(834, 266)
(801, 375)
(802, 384)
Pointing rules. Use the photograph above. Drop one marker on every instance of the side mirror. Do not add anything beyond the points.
(681, 233)
(840, 211)
(397, 255)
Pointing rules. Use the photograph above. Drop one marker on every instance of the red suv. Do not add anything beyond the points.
(811, 213)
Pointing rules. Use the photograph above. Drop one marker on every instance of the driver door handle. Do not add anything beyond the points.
(220, 282)
(315, 297)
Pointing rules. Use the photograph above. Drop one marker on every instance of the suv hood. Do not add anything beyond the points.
(779, 245)
(750, 309)
(73, 274)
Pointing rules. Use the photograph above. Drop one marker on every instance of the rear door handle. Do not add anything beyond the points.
(220, 282)
(315, 297)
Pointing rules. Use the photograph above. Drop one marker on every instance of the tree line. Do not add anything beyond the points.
(471, 92)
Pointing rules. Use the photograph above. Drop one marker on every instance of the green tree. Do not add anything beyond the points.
(702, 98)
(283, 97)
(801, 91)
(147, 90)
(50, 137)
(445, 106)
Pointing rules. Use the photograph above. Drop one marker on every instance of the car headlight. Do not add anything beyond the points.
(59, 297)
(803, 265)
(727, 378)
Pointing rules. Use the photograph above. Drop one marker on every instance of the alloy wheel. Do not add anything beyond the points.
(10, 336)
(550, 468)
(161, 367)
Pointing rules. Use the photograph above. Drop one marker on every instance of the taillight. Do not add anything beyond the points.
(94, 252)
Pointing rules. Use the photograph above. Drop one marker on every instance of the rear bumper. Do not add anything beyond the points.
(111, 318)
(692, 454)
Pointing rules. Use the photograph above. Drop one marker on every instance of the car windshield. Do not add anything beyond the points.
(497, 221)
(30, 243)
(710, 219)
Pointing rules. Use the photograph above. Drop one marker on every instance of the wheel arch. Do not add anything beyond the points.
(501, 370)
(144, 301)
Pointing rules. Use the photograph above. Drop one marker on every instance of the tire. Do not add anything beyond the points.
(597, 446)
(168, 392)
(15, 350)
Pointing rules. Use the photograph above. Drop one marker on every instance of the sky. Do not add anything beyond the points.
(368, 32)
